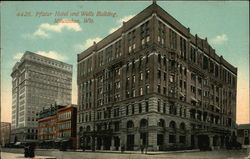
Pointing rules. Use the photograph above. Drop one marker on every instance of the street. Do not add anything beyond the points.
(218, 154)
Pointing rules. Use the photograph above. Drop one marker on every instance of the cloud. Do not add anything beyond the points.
(219, 39)
(44, 30)
(86, 44)
(18, 56)
(41, 33)
(53, 55)
(59, 26)
(119, 23)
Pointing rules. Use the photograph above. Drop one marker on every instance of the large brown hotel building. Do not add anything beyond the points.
(153, 83)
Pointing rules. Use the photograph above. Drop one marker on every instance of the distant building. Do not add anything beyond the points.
(243, 134)
(5, 133)
(56, 126)
(37, 82)
(152, 83)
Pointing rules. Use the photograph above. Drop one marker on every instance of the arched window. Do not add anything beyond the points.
(99, 127)
(183, 126)
(172, 125)
(143, 123)
(80, 129)
(161, 123)
(105, 126)
(88, 128)
(130, 124)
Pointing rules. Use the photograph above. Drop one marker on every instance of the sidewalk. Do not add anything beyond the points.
(139, 152)
(7, 155)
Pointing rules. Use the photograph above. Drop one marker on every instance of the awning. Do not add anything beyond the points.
(217, 107)
(18, 143)
(194, 99)
(182, 94)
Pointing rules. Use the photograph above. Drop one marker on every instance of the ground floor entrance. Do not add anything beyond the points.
(130, 142)
(203, 142)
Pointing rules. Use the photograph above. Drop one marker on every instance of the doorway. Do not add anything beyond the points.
(130, 142)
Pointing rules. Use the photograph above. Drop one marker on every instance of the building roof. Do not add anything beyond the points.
(170, 20)
(3, 124)
(244, 126)
(29, 54)
(47, 112)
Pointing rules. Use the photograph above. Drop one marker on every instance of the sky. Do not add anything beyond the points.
(32, 26)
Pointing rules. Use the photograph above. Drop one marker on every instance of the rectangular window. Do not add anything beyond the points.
(211, 69)
(131, 41)
(182, 48)
(140, 107)
(159, 106)
(127, 67)
(133, 93)
(109, 54)
(159, 74)
(161, 34)
(127, 110)
(141, 91)
(146, 106)
(193, 89)
(127, 83)
(127, 94)
(118, 49)
(159, 88)
(141, 76)
(185, 85)
(147, 59)
(164, 107)
(147, 74)
(147, 89)
(199, 80)
(171, 78)
(216, 71)
(193, 55)
(199, 92)
(145, 36)
(172, 39)
(180, 83)
(205, 63)
(164, 90)
(133, 108)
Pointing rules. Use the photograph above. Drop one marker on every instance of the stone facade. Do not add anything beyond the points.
(152, 83)
(37, 82)
(243, 134)
(5, 133)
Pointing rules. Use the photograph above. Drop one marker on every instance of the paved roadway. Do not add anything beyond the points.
(219, 154)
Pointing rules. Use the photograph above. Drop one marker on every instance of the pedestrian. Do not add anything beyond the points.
(26, 149)
(32, 151)
(122, 148)
(142, 148)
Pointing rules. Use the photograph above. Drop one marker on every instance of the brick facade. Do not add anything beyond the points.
(153, 83)
(57, 127)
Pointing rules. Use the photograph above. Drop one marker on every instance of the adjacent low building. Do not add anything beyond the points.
(243, 134)
(57, 126)
(5, 133)
(152, 83)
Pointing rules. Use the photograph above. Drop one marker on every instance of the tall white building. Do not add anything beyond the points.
(37, 82)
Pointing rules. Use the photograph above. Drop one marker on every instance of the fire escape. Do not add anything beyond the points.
(173, 74)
